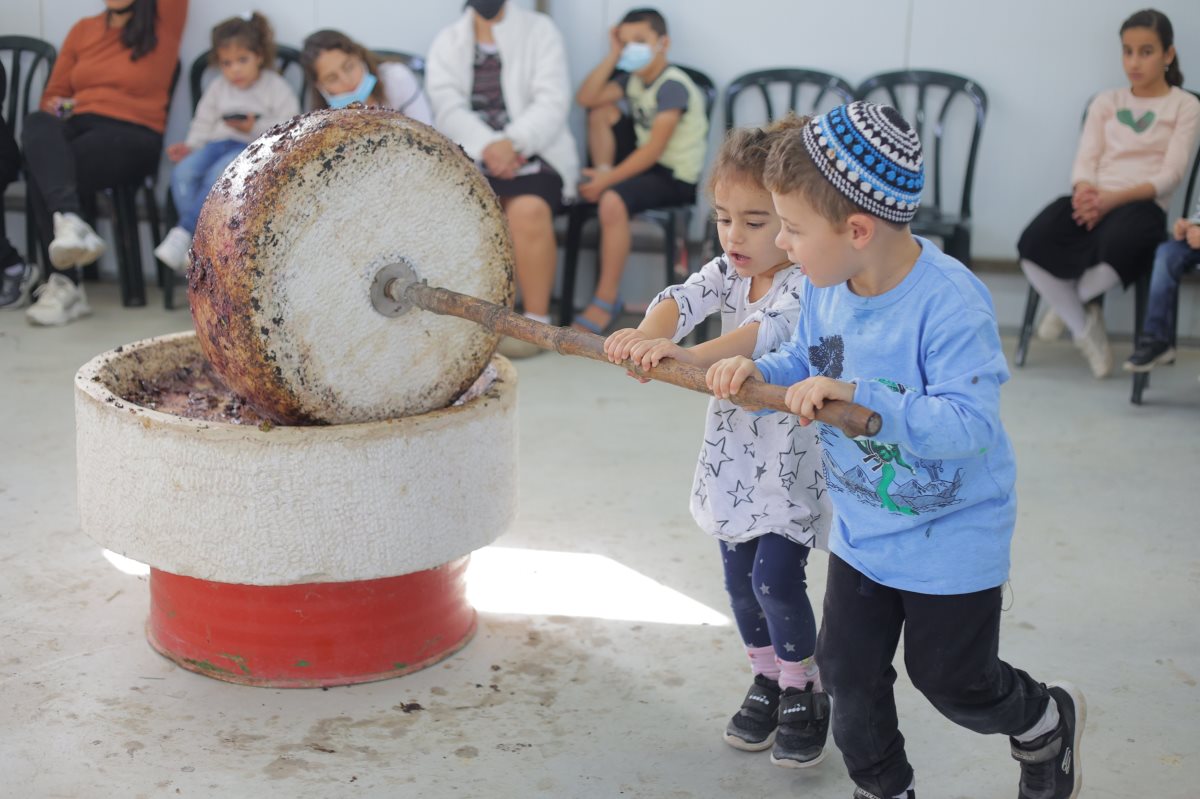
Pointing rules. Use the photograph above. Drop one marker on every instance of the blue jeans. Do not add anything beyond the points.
(1171, 260)
(195, 175)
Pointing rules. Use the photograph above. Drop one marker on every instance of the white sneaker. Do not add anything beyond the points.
(173, 251)
(59, 301)
(1094, 344)
(75, 243)
(1051, 327)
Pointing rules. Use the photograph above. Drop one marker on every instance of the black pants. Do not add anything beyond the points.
(10, 164)
(950, 652)
(69, 160)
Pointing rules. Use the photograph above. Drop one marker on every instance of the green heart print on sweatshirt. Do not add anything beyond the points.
(1125, 117)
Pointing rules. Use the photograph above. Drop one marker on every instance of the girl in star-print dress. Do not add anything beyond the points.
(759, 486)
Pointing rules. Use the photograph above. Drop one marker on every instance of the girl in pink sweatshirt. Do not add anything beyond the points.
(1136, 146)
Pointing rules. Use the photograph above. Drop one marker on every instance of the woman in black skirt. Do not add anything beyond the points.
(1136, 146)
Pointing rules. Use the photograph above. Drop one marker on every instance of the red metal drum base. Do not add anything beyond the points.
(313, 634)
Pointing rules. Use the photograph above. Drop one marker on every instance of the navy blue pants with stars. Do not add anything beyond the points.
(769, 595)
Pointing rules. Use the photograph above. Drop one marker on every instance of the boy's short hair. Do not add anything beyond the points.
(647, 15)
(857, 158)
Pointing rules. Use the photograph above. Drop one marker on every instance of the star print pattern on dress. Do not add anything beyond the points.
(818, 484)
(726, 421)
(741, 493)
(717, 448)
(746, 480)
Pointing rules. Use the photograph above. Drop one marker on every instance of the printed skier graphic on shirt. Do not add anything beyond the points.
(873, 480)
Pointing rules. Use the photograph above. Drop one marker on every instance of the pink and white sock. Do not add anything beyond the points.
(762, 661)
(799, 673)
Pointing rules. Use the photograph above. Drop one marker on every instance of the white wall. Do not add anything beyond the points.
(1038, 61)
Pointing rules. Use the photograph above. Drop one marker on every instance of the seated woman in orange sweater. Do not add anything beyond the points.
(101, 122)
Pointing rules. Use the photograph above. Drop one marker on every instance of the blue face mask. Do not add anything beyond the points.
(635, 56)
(357, 95)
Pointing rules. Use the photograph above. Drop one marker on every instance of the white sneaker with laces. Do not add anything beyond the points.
(59, 301)
(173, 251)
(1094, 344)
(1051, 327)
(75, 243)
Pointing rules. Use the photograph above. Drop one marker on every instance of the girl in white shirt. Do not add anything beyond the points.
(759, 486)
(341, 71)
(246, 99)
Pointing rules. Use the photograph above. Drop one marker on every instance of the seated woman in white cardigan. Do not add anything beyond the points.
(497, 81)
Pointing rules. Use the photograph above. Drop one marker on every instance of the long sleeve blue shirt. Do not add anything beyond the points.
(928, 505)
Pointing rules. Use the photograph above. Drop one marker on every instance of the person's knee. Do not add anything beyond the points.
(612, 210)
(943, 679)
(529, 215)
(35, 126)
(604, 116)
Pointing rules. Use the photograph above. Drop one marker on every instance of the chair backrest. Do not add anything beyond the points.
(915, 94)
(414, 62)
(29, 65)
(803, 91)
(287, 59)
(705, 84)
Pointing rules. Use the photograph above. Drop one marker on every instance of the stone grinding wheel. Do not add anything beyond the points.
(290, 240)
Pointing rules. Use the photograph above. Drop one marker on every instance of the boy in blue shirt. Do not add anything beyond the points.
(924, 513)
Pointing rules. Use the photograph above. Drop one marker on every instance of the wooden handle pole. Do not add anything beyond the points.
(852, 419)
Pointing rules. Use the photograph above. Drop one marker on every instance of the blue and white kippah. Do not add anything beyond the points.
(872, 156)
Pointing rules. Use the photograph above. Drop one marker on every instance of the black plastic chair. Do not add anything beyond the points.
(29, 65)
(932, 122)
(809, 91)
(1141, 380)
(1141, 293)
(673, 220)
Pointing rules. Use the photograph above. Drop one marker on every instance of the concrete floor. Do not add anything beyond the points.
(617, 697)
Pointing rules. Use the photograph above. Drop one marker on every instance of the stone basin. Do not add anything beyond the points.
(291, 556)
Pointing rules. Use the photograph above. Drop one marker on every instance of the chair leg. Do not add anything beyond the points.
(576, 216)
(1141, 295)
(1031, 305)
(133, 284)
(1140, 381)
(166, 275)
(959, 246)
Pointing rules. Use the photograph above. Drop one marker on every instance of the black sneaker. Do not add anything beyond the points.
(1148, 354)
(862, 793)
(1050, 765)
(15, 288)
(803, 728)
(752, 728)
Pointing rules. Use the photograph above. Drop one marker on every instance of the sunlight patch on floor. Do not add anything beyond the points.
(544, 583)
